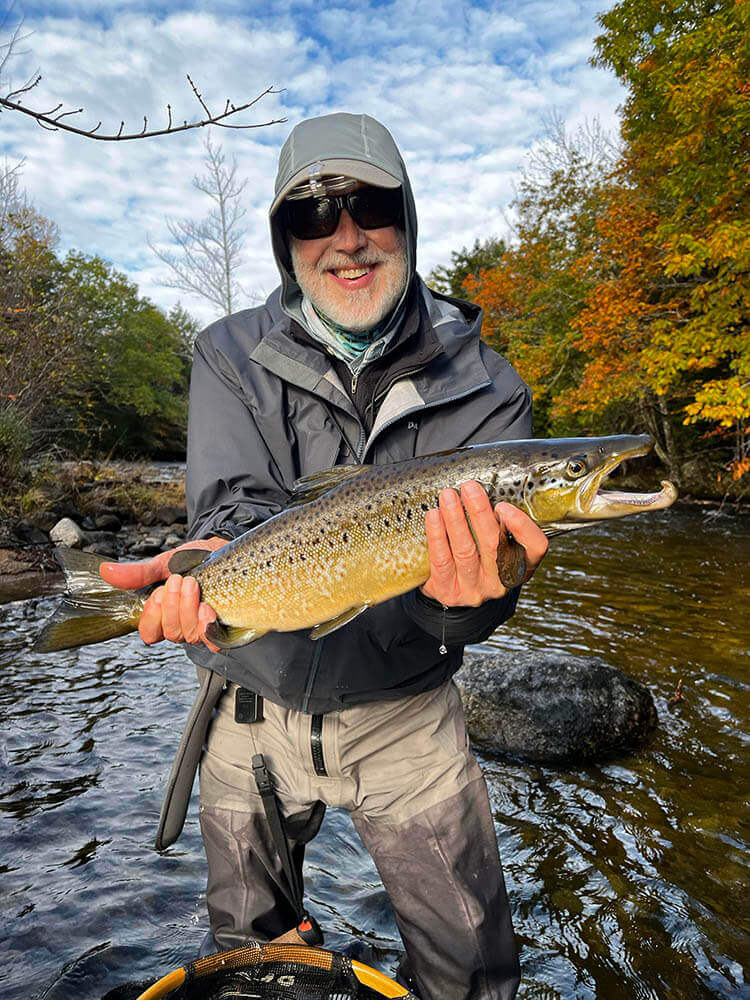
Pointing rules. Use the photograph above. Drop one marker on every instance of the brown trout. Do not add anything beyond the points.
(354, 536)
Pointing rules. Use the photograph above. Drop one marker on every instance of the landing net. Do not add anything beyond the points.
(269, 972)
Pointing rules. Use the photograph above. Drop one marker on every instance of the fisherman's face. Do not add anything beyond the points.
(356, 276)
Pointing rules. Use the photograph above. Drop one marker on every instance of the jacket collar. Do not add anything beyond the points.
(456, 372)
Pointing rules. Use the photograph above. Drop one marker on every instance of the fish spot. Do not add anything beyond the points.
(386, 522)
(268, 562)
(345, 538)
(424, 506)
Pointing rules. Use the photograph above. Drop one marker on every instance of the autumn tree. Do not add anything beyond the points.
(537, 286)
(685, 127)
(451, 279)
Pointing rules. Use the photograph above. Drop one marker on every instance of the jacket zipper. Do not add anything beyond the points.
(421, 408)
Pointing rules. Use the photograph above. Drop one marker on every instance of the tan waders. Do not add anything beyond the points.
(404, 771)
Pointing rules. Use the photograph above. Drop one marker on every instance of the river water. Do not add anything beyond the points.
(628, 879)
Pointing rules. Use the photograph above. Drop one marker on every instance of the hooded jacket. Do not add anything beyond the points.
(267, 407)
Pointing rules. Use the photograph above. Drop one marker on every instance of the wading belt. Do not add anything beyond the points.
(307, 926)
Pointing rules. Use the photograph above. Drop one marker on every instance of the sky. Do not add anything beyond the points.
(466, 88)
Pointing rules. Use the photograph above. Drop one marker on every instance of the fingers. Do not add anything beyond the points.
(149, 627)
(175, 612)
(131, 576)
(483, 523)
(526, 532)
(442, 582)
(463, 568)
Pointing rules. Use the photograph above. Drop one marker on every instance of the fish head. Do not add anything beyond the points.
(563, 489)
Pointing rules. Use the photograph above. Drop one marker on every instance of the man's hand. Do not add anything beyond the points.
(463, 573)
(174, 611)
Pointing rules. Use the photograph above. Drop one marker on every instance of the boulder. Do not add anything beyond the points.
(552, 708)
(66, 532)
(102, 542)
(107, 521)
(167, 514)
(30, 533)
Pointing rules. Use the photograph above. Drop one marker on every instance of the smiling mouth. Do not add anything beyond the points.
(351, 273)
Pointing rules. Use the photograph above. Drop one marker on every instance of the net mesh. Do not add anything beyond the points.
(267, 972)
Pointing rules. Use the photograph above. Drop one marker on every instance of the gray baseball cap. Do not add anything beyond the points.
(352, 144)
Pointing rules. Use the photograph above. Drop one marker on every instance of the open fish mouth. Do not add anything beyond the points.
(597, 503)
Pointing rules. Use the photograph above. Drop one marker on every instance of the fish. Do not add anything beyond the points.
(354, 536)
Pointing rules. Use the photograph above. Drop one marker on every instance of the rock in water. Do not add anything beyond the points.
(550, 708)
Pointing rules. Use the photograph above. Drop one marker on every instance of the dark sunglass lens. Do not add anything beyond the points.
(373, 208)
(311, 218)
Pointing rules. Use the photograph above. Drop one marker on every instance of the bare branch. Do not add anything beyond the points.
(52, 120)
(197, 94)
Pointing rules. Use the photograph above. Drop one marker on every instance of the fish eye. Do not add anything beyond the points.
(575, 468)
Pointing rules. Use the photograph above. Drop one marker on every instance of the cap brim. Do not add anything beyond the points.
(366, 172)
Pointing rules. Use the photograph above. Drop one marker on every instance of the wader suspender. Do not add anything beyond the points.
(307, 927)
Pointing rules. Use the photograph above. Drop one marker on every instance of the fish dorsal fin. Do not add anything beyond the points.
(186, 559)
(325, 628)
(310, 487)
(229, 636)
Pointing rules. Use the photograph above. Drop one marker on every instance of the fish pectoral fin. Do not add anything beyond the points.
(186, 559)
(229, 636)
(511, 561)
(310, 487)
(325, 628)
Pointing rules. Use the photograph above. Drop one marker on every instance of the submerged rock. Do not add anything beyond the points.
(552, 708)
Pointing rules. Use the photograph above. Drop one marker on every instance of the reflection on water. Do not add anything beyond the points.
(628, 879)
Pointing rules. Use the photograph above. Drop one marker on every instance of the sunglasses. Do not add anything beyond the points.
(369, 207)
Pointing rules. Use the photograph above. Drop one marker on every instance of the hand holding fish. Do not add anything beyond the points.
(352, 537)
(174, 611)
(464, 549)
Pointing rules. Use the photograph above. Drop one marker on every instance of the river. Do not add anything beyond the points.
(628, 879)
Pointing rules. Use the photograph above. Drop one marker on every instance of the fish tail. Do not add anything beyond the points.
(91, 609)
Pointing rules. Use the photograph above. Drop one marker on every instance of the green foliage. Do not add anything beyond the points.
(15, 440)
(450, 280)
(90, 365)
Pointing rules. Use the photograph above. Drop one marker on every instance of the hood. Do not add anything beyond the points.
(355, 145)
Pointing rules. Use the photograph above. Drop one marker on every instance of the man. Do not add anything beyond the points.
(353, 360)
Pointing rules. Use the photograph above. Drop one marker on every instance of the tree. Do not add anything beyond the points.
(208, 254)
(532, 293)
(685, 126)
(482, 256)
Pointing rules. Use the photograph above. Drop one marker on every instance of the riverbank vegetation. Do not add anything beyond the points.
(623, 299)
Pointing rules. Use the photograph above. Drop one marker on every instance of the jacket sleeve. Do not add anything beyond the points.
(232, 481)
(464, 626)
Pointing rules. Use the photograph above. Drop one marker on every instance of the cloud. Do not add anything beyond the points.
(464, 88)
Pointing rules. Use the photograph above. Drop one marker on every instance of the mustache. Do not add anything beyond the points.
(364, 257)
(360, 258)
